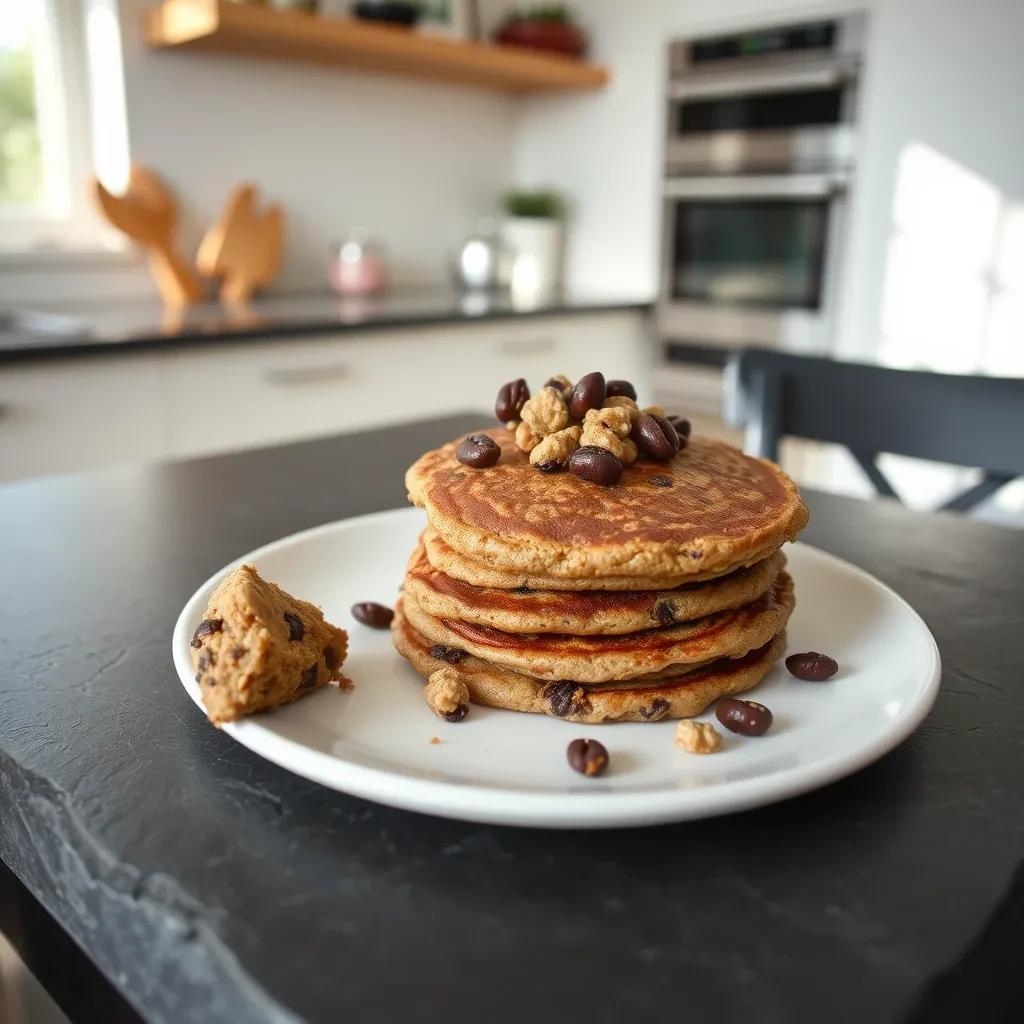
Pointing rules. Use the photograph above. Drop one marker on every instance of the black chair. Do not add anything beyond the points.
(968, 421)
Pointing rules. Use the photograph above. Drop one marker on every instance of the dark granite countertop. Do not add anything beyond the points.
(201, 883)
(72, 330)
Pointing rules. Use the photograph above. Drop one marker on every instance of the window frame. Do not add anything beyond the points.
(68, 83)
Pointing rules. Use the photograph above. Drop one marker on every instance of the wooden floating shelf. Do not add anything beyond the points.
(222, 27)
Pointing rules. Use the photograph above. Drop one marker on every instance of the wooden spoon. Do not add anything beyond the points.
(148, 214)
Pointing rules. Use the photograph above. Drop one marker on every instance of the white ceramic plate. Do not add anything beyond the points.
(508, 768)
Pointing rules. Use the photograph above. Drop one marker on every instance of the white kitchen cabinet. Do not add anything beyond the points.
(225, 396)
(244, 395)
(63, 415)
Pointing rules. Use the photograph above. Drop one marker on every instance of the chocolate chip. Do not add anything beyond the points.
(478, 451)
(458, 714)
(621, 388)
(453, 655)
(206, 660)
(661, 481)
(586, 394)
(206, 628)
(812, 666)
(511, 399)
(309, 677)
(655, 437)
(588, 757)
(664, 612)
(523, 589)
(296, 630)
(747, 717)
(566, 698)
(554, 382)
(596, 465)
(238, 652)
(331, 659)
(655, 711)
(550, 466)
(369, 613)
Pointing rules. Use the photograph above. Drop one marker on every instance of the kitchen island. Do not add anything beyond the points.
(176, 876)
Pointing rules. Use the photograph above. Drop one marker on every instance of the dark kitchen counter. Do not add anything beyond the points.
(115, 327)
(154, 867)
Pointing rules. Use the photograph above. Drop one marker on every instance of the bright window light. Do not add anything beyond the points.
(62, 120)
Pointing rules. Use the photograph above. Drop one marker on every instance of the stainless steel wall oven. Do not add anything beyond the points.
(758, 158)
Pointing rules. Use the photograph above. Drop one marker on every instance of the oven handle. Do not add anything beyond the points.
(756, 186)
(751, 83)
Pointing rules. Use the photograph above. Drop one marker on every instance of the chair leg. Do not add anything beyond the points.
(866, 461)
(763, 410)
(973, 496)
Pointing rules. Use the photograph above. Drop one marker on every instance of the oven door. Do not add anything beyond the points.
(750, 260)
(788, 116)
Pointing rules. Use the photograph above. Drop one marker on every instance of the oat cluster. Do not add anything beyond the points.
(697, 737)
(546, 431)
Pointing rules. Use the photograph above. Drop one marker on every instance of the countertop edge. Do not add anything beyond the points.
(84, 346)
(155, 923)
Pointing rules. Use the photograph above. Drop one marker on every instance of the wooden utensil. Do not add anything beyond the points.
(243, 247)
(148, 214)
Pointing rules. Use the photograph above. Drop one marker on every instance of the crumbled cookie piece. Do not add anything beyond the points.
(526, 439)
(270, 648)
(447, 695)
(546, 413)
(614, 418)
(609, 428)
(654, 410)
(623, 402)
(559, 381)
(555, 449)
(435, 741)
(697, 737)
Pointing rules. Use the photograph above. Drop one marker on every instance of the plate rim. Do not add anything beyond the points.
(529, 808)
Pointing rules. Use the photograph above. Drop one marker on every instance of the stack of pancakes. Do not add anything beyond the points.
(638, 602)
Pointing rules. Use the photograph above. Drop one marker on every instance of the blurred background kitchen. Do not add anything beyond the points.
(345, 215)
(227, 225)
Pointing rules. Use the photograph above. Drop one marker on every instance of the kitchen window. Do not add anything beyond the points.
(61, 121)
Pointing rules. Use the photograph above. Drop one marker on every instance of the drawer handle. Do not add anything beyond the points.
(525, 348)
(288, 376)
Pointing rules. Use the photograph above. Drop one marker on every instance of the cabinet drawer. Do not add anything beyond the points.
(65, 415)
(260, 393)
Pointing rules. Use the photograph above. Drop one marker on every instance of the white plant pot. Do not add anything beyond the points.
(536, 243)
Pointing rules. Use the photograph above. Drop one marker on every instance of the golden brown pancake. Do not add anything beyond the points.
(594, 659)
(586, 612)
(480, 574)
(703, 511)
(681, 695)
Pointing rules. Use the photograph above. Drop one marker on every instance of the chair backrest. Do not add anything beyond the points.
(969, 421)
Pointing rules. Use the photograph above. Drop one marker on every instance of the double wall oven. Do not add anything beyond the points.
(758, 160)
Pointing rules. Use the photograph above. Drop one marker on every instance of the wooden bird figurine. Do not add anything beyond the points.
(243, 247)
(148, 214)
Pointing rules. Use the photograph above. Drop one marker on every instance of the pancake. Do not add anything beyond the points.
(480, 574)
(595, 659)
(703, 511)
(582, 612)
(675, 696)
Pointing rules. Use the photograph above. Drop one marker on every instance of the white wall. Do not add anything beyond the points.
(603, 150)
(416, 163)
(946, 75)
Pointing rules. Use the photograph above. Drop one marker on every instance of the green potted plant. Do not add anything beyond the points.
(548, 27)
(533, 230)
